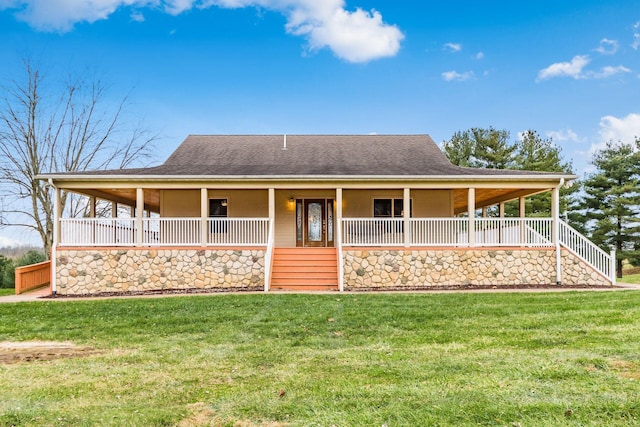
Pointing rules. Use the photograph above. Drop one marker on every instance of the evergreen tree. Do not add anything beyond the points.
(612, 200)
(541, 155)
(490, 148)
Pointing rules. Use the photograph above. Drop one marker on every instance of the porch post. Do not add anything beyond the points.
(204, 214)
(56, 236)
(339, 238)
(271, 238)
(405, 217)
(138, 215)
(555, 230)
(501, 209)
(522, 214)
(114, 209)
(471, 213)
(92, 206)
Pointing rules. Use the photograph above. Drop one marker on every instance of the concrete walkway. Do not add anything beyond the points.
(37, 294)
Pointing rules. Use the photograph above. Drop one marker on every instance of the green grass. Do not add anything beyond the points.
(539, 359)
(7, 291)
(631, 278)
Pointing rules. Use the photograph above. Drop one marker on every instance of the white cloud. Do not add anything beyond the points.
(137, 16)
(636, 36)
(479, 55)
(565, 69)
(624, 129)
(575, 70)
(6, 242)
(453, 47)
(607, 71)
(452, 75)
(355, 36)
(563, 135)
(607, 47)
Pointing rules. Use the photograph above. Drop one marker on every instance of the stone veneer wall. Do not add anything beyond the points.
(93, 271)
(411, 269)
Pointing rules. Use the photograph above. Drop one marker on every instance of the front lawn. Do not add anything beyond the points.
(631, 278)
(7, 291)
(521, 359)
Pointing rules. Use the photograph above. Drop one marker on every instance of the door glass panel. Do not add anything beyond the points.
(330, 220)
(299, 221)
(314, 222)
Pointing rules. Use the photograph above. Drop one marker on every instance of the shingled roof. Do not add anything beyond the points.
(308, 155)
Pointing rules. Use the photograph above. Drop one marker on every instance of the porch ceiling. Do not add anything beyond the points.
(490, 196)
(126, 196)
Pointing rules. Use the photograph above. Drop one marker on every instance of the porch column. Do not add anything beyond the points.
(406, 214)
(270, 243)
(114, 209)
(484, 212)
(339, 238)
(471, 213)
(55, 239)
(501, 209)
(139, 209)
(555, 229)
(92, 207)
(204, 214)
(522, 215)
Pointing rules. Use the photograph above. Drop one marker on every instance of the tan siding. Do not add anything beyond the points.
(244, 203)
(432, 203)
(180, 203)
(426, 203)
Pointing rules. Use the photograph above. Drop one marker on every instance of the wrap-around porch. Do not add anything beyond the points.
(442, 227)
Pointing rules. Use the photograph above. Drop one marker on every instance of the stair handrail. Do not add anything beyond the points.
(268, 257)
(587, 251)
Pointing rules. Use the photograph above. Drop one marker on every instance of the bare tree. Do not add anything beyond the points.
(69, 131)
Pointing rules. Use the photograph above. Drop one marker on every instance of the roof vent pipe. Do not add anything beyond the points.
(284, 147)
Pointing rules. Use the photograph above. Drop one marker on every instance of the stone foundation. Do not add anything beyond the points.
(389, 269)
(93, 271)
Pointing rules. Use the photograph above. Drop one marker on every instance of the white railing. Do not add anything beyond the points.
(97, 231)
(164, 232)
(238, 231)
(439, 231)
(531, 232)
(372, 231)
(582, 247)
(171, 231)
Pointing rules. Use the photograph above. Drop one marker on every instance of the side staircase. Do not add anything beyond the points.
(305, 269)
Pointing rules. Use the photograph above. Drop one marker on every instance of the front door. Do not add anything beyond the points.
(315, 222)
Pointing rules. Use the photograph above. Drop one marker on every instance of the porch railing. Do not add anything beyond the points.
(97, 232)
(372, 231)
(164, 232)
(601, 261)
(530, 232)
(439, 231)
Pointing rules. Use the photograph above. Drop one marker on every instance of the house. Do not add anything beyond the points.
(341, 212)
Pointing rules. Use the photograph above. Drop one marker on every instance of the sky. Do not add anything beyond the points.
(568, 69)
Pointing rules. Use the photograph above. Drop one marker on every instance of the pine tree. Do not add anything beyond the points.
(612, 200)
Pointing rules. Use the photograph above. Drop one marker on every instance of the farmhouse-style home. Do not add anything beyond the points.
(352, 212)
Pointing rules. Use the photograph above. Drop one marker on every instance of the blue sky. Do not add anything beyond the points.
(569, 69)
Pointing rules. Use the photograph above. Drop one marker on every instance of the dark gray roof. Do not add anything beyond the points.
(318, 155)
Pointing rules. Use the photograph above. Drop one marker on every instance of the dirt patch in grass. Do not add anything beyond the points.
(30, 351)
(203, 416)
(626, 369)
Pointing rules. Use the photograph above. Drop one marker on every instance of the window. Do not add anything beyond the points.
(218, 208)
(217, 211)
(390, 208)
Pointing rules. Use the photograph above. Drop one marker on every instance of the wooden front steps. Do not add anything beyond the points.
(305, 269)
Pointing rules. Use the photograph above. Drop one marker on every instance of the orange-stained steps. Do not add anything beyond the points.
(305, 269)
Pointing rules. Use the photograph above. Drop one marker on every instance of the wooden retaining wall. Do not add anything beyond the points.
(32, 276)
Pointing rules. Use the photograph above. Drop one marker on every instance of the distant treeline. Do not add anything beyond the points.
(17, 251)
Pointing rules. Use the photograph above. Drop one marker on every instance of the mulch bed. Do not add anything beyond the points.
(468, 287)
